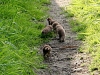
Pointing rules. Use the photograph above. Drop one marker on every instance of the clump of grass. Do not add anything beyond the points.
(21, 22)
(86, 23)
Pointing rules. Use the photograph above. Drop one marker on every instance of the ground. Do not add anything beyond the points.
(66, 61)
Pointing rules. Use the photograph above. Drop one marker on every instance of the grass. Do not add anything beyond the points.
(85, 20)
(21, 22)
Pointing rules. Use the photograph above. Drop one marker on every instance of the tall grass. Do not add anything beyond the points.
(21, 22)
(86, 22)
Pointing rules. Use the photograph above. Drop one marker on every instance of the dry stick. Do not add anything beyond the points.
(64, 47)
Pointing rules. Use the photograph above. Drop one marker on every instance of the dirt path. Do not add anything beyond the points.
(65, 61)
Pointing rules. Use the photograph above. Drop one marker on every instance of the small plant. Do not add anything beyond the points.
(21, 23)
(87, 24)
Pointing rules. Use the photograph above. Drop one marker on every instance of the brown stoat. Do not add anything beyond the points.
(54, 25)
(47, 29)
(46, 50)
(50, 21)
(61, 32)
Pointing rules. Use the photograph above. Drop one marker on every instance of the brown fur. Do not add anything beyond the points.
(47, 29)
(50, 21)
(46, 50)
(54, 25)
(61, 32)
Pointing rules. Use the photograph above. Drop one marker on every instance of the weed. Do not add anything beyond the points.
(86, 23)
(21, 22)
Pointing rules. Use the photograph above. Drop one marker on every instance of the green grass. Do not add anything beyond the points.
(21, 22)
(86, 22)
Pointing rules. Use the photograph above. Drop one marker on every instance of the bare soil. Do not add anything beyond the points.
(65, 60)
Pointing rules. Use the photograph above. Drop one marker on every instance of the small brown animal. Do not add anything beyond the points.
(47, 29)
(50, 21)
(46, 50)
(61, 32)
(54, 25)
